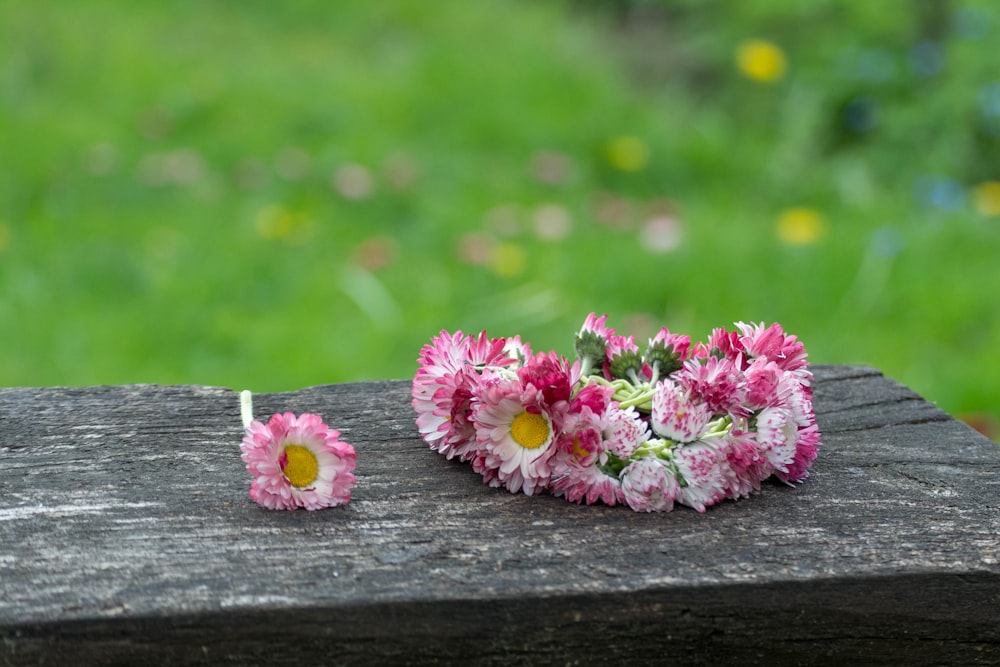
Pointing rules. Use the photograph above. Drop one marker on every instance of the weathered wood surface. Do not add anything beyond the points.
(127, 536)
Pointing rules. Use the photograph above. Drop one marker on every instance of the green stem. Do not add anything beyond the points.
(638, 399)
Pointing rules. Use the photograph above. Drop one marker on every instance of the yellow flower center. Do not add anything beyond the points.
(301, 467)
(529, 430)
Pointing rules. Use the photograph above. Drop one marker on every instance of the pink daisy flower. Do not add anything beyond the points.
(576, 474)
(445, 423)
(445, 385)
(767, 385)
(805, 453)
(807, 443)
(449, 352)
(743, 468)
(777, 437)
(649, 485)
(445, 354)
(298, 462)
(624, 431)
(596, 326)
(679, 344)
(702, 469)
(772, 342)
(591, 342)
(552, 375)
(516, 429)
(722, 343)
(667, 352)
(596, 397)
(676, 416)
(580, 437)
(622, 359)
(718, 383)
(787, 434)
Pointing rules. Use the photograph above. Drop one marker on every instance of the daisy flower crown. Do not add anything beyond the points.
(674, 423)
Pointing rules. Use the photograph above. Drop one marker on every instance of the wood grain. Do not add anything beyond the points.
(127, 536)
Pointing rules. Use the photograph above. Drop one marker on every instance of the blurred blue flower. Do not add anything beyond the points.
(972, 23)
(861, 114)
(989, 99)
(940, 192)
(926, 59)
(871, 65)
(887, 242)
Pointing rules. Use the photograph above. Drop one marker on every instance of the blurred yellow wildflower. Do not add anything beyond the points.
(761, 60)
(275, 222)
(627, 153)
(800, 226)
(507, 260)
(986, 197)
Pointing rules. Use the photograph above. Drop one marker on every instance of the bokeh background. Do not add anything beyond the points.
(271, 195)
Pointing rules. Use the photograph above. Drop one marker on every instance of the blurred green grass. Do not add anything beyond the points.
(270, 196)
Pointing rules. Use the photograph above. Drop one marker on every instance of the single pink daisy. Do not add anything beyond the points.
(517, 429)
(650, 485)
(772, 342)
(718, 383)
(298, 462)
(552, 375)
(448, 428)
(624, 431)
(701, 468)
(576, 474)
(591, 342)
(587, 484)
(597, 326)
(622, 359)
(743, 468)
(777, 437)
(723, 343)
(445, 354)
(436, 382)
(445, 386)
(486, 352)
(596, 397)
(807, 442)
(667, 352)
(766, 384)
(676, 416)
(806, 449)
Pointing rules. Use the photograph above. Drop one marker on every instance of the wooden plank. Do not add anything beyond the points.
(127, 536)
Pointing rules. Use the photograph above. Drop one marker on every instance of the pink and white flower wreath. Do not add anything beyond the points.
(676, 423)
